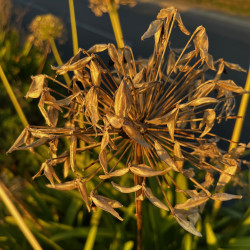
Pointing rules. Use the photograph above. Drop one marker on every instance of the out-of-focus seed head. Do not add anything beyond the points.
(5, 12)
(100, 6)
(46, 27)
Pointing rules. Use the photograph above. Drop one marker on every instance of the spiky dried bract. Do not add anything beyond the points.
(164, 107)
(46, 27)
(100, 6)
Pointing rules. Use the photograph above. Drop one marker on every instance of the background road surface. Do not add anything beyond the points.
(229, 36)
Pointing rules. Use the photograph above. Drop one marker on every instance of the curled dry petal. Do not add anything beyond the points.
(84, 192)
(187, 225)
(208, 120)
(153, 199)
(116, 173)
(91, 103)
(126, 189)
(80, 64)
(115, 121)
(152, 29)
(68, 185)
(134, 134)
(21, 139)
(104, 205)
(39, 82)
(98, 48)
(164, 156)
(179, 159)
(226, 176)
(123, 100)
(230, 85)
(225, 196)
(95, 72)
(102, 155)
(193, 202)
(146, 171)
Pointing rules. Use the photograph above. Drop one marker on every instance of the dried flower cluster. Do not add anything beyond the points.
(46, 27)
(143, 118)
(100, 6)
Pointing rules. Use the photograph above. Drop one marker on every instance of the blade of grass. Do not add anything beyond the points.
(241, 114)
(58, 58)
(73, 26)
(13, 98)
(114, 18)
(237, 131)
(22, 225)
(93, 230)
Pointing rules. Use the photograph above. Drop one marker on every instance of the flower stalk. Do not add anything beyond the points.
(115, 21)
(13, 98)
(21, 223)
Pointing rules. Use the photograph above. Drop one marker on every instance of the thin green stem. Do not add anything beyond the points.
(115, 21)
(95, 219)
(20, 222)
(13, 98)
(73, 26)
(241, 114)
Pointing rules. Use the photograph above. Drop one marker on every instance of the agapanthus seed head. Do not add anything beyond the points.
(46, 27)
(145, 118)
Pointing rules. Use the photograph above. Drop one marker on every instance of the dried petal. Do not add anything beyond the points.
(116, 173)
(187, 225)
(97, 48)
(123, 100)
(152, 29)
(193, 202)
(84, 192)
(36, 88)
(225, 196)
(115, 121)
(146, 171)
(230, 85)
(208, 119)
(179, 159)
(95, 72)
(104, 205)
(134, 134)
(102, 155)
(164, 155)
(126, 189)
(69, 185)
(153, 199)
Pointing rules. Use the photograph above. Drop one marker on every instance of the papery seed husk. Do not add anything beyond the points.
(187, 225)
(134, 134)
(230, 85)
(84, 192)
(126, 189)
(145, 171)
(36, 88)
(225, 196)
(123, 100)
(95, 72)
(21, 139)
(116, 173)
(97, 48)
(153, 199)
(192, 202)
(164, 156)
(152, 29)
(115, 121)
(68, 185)
(104, 205)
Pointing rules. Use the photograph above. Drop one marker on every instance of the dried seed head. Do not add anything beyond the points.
(162, 106)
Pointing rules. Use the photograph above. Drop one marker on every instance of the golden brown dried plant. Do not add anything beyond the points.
(100, 6)
(46, 27)
(144, 118)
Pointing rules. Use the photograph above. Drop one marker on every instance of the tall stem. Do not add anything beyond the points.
(138, 203)
(115, 21)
